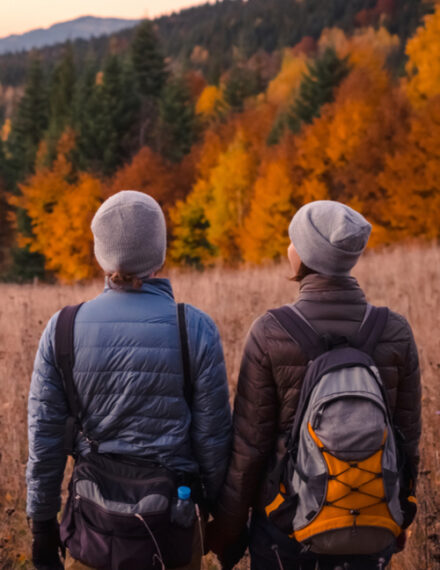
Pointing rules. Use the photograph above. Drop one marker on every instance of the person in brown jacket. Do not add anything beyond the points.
(327, 239)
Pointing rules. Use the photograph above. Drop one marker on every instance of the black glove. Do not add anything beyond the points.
(46, 544)
(234, 552)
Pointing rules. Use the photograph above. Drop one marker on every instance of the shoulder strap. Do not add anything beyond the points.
(371, 329)
(64, 356)
(188, 387)
(300, 330)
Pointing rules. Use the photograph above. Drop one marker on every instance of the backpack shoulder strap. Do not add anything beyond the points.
(64, 356)
(371, 329)
(299, 329)
(188, 387)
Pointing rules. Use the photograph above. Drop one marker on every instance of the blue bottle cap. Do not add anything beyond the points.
(184, 493)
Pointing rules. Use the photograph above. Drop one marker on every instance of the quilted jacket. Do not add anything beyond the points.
(270, 380)
(129, 377)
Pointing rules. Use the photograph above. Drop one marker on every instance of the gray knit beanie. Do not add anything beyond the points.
(130, 234)
(329, 236)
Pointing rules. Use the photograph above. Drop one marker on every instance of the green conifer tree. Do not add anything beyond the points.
(240, 84)
(317, 88)
(177, 123)
(107, 118)
(150, 76)
(148, 62)
(29, 123)
(61, 97)
(28, 127)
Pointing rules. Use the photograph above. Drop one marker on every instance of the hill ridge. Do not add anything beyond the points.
(83, 27)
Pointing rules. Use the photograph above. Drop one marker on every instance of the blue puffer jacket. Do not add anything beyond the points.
(128, 374)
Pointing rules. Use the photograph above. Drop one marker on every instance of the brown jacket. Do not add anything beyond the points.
(270, 379)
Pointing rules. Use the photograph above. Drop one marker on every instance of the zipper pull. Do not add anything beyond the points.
(355, 513)
(318, 418)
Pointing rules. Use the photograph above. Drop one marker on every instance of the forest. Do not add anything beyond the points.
(232, 116)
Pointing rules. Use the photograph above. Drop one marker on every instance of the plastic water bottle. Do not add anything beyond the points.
(183, 511)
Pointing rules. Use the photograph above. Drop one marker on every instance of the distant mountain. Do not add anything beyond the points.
(81, 28)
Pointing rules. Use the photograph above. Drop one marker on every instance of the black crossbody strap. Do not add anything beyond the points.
(64, 356)
(188, 386)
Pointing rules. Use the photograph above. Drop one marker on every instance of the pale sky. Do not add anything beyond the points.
(18, 16)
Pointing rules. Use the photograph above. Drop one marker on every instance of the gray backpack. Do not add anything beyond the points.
(339, 485)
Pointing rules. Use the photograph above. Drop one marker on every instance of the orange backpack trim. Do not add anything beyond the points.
(355, 495)
(279, 500)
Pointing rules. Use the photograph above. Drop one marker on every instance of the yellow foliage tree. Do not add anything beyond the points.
(230, 186)
(211, 103)
(190, 244)
(423, 67)
(282, 88)
(60, 206)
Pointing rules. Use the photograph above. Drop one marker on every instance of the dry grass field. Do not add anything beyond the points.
(406, 279)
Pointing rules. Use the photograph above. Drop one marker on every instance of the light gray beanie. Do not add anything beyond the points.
(329, 236)
(130, 234)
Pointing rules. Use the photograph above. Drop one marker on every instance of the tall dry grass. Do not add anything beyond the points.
(406, 279)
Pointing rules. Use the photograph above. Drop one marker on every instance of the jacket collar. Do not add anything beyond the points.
(318, 287)
(154, 286)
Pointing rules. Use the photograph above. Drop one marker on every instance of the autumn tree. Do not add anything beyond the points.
(264, 236)
(149, 172)
(211, 104)
(60, 204)
(191, 245)
(423, 66)
(340, 154)
(411, 180)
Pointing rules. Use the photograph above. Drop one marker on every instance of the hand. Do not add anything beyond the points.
(46, 544)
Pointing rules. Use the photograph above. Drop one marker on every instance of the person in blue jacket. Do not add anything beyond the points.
(128, 374)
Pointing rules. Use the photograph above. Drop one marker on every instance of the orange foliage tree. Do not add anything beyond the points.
(264, 235)
(61, 205)
(341, 153)
(149, 172)
(411, 179)
(220, 199)
(423, 65)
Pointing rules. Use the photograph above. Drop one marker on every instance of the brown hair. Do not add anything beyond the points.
(302, 272)
(118, 280)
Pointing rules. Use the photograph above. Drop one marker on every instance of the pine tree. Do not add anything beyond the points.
(150, 77)
(85, 107)
(107, 118)
(61, 99)
(28, 127)
(240, 84)
(148, 62)
(317, 88)
(29, 123)
(177, 123)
